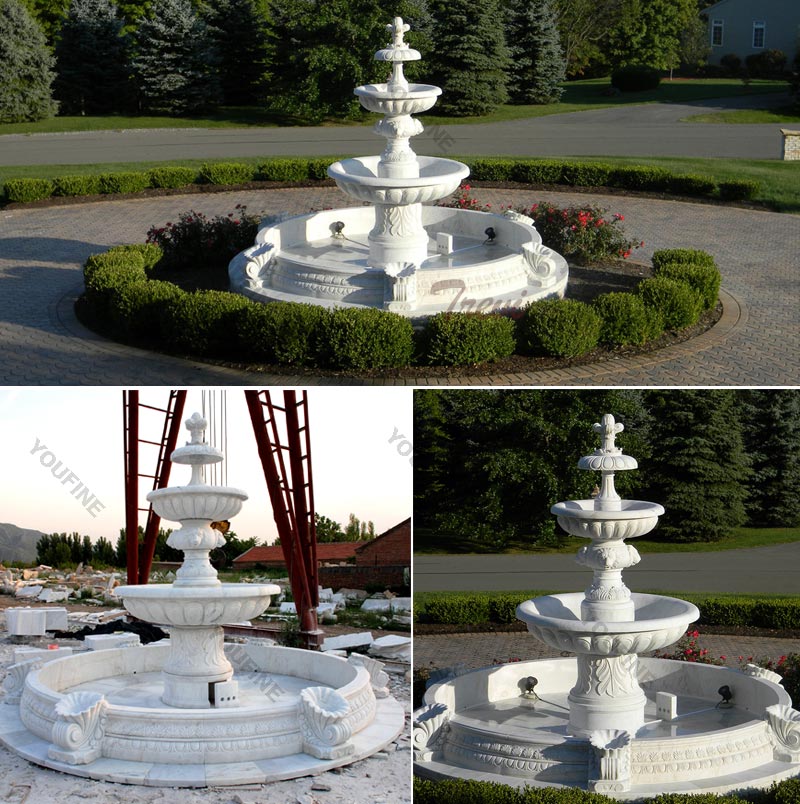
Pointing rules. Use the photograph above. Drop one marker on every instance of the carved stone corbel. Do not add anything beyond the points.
(430, 729)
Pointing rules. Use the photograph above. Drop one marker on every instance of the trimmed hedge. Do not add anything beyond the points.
(586, 174)
(283, 170)
(491, 169)
(171, 177)
(281, 332)
(125, 182)
(558, 327)
(459, 339)
(227, 173)
(76, 185)
(677, 302)
(538, 172)
(703, 279)
(626, 319)
(25, 191)
(640, 177)
(137, 311)
(354, 338)
(691, 184)
(104, 275)
(743, 190)
(682, 255)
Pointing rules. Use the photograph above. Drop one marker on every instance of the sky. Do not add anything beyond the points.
(62, 458)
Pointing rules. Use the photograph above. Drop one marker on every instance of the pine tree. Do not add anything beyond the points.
(92, 60)
(699, 468)
(470, 58)
(772, 437)
(175, 61)
(240, 33)
(538, 65)
(26, 67)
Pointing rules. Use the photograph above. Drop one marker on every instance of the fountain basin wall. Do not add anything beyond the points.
(298, 260)
(261, 729)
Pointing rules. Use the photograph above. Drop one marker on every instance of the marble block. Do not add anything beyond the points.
(377, 604)
(28, 591)
(288, 608)
(45, 654)
(108, 641)
(56, 618)
(401, 604)
(348, 641)
(392, 647)
(666, 705)
(54, 595)
(26, 621)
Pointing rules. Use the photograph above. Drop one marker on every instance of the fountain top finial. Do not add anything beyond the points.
(196, 425)
(397, 28)
(608, 430)
(608, 456)
(197, 453)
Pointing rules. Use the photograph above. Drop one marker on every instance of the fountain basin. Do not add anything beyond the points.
(196, 606)
(658, 621)
(212, 503)
(379, 98)
(480, 726)
(631, 519)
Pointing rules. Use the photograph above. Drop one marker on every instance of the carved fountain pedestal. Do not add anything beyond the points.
(609, 720)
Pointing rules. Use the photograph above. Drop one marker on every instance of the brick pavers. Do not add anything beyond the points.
(42, 250)
(484, 649)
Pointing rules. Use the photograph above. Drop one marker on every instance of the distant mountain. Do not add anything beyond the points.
(18, 544)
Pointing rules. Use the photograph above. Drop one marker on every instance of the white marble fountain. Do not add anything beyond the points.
(193, 711)
(396, 252)
(609, 720)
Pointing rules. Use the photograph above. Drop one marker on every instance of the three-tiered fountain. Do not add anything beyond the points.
(193, 711)
(610, 720)
(399, 253)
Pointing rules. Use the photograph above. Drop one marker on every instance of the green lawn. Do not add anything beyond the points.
(578, 96)
(783, 114)
(741, 538)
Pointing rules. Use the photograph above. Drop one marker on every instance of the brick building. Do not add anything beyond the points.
(272, 555)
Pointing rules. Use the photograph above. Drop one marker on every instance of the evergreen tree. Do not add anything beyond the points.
(699, 468)
(239, 29)
(49, 14)
(175, 60)
(772, 436)
(323, 50)
(537, 65)
(92, 60)
(470, 58)
(103, 553)
(26, 64)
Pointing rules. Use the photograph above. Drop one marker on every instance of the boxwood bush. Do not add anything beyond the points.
(626, 319)
(704, 279)
(558, 327)
(743, 190)
(281, 332)
(640, 177)
(491, 169)
(123, 182)
(682, 255)
(678, 303)
(538, 172)
(25, 191)
(586, 174)
(364, 338)
(459, 339)
(227, 173)
(691, 184)
(283, 170)
(137, 311)
(76, 185)
(171, 177)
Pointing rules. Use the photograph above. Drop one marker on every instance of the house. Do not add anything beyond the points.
(744, 27)
(272, 555)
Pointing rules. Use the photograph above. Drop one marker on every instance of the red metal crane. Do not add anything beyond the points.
(291, 492)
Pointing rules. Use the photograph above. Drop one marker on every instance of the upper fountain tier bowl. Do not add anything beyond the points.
(358, 177)
(382, 99)
(633, 518)
(166, 604)
(211, 503)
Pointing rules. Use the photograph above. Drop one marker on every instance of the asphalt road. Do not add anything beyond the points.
(761, 570)
(646, 130)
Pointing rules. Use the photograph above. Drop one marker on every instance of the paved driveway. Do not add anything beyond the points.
(42, 250)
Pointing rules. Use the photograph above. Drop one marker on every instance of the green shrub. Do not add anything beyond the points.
(696, 798)
(458, 339)
(227, 173)
(137, 310)
(204, 323)
(105, 274)
(318, 168)
(691, 184)
(743, 190)
(458, 609)
(125, 182)
(283, 170)
(558, 327)
(704, 279)
(678, 303)
(776, 614)
(364, 338)
(538, 172)
(76, 185)
(171, 177)
(640, 177)
(766, 64)
(626, 319)
(281, 332)
(635, 78)
(731, 63)
(150, 253)
(682, 255)
(470, 791)
(24, 191)
(491, 169)
(503, 608)
(586, 174)
(729, 611)
(786, 792)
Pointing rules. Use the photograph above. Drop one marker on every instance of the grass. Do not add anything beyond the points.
(784, 114)
(741, 538)
(578, 96)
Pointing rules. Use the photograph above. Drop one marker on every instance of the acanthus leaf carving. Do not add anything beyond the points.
(324, 723)
(79, 728)
(430, 729)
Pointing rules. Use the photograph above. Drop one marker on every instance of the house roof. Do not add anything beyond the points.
(404, 523)
(273, 554)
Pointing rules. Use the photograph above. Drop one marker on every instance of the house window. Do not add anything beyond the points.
(758, 35)
(716, 33)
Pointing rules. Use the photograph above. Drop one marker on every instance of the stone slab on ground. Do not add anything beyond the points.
(348, 641)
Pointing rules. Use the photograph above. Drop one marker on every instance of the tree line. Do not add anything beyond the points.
(489, 464)
(303, 57)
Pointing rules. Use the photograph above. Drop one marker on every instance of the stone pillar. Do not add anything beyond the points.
(791, 145)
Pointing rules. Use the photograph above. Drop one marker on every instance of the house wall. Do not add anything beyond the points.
(782, 27)
(392, 548)
(361, 577)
